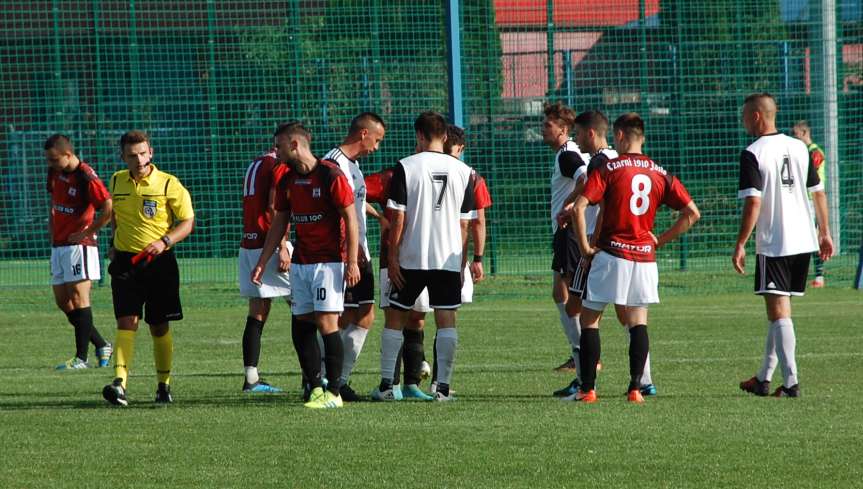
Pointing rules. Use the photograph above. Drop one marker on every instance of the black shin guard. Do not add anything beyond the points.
(434, 358)
(95, 337)
(304, 334)
(252, 342)
(413, 355)
(639, 345)
(397, 373)
(590, 350)
(333, 357)
(78, 321)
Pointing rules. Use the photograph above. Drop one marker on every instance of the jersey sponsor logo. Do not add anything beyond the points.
(316, 193)
(630, 247)
(149, 208)
(771, 285)
(303, 181)
(73, 191)
(307, 218)
(64, 209)
(250, 235)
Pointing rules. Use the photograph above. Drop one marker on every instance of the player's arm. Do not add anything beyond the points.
(689, 215)
(749, 189)
(594, 238)
(382, 220)
(467, 213)
(284, 250)
(275, 235)
(580, 207)
(397, 229)
(106, 213)
(352, 272)
(478, 234)
(819, 201)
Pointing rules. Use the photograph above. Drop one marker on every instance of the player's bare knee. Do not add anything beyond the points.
(159, 330)
(445, 318)
(127, 323)
(365, 316)
(573, 305)
(259, 308)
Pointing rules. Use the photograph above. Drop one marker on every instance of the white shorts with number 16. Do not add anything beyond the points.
(317, 287)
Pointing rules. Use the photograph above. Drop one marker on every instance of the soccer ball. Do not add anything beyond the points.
(425, 370)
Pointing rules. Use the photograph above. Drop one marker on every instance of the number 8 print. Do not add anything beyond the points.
(641, 186)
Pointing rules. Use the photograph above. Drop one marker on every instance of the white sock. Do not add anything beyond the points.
(323, 355)
(786, 344)
(646, 379)
(447, 342)
(570, 328)
(768, 365)
(252, 375)
(575, 340)
(391, 344)
(353, 338)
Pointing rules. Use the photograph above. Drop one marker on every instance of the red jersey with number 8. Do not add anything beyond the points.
(633, 187)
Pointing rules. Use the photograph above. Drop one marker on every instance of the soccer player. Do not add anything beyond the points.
(569, 165)
(152, 213)
(364, 136)
(775, 174)
(76, 193)
(259, 188)
(817, 159)
(317, 198)
(431, 196)
(623, 270)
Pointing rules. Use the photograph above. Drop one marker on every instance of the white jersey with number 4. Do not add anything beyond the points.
(435, 191)
(777, 169)
(351, 169)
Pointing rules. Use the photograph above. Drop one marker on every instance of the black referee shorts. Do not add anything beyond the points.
(364, 291)
(565, 251)
(781, 275)
(444, 289)
(151, 292)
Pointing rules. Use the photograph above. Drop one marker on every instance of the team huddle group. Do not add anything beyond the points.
(603, 205)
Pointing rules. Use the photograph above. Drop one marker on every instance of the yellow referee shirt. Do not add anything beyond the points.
(145, 210)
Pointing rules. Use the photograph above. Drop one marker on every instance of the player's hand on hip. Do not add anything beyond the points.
(655, 239)
(79, 236)
(256, 275)
(156, 247)
(352, 274)
(739, 259)
(284, 260)
(825, 247)
(385, 223)
(563, 216)
(476, 271)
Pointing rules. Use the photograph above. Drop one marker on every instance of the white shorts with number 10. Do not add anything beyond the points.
(317, 287)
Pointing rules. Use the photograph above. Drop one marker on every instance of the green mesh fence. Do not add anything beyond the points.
(211, 79)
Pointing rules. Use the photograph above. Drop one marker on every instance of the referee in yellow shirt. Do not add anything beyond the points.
(152, 213)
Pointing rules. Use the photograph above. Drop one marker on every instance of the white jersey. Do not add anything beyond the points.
(351, 169)
(776, 168)
(435, 191)
(570, 164)
(591, 214)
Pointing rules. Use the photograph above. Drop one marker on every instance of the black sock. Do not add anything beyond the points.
(413, 355)
(95, 337)
(639, 345)
(397, 373)
(306, 345)
(252, 341)
(78, 321)
(434, 356)
(590, 350)
(333, 357)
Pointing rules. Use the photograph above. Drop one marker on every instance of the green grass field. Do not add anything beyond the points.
(504, 431)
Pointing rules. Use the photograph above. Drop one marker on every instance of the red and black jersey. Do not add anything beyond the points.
(74, 198)
(314, 201)
(378, 191)
(259, 182)
(633, 187)
(482, 198)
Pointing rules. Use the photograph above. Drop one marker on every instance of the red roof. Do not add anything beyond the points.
(571, 12)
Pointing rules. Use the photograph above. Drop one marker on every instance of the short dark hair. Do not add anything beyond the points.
(293, 128)
(631, 124)
(60, 142)
(431, 125)
(593, 119)
(755, 97)
(454, 137)
(365, 121)
(561, 114)
(133, 137)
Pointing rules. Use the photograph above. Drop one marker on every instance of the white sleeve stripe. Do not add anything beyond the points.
(748, 192)
(391, 204)
(817, 188)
